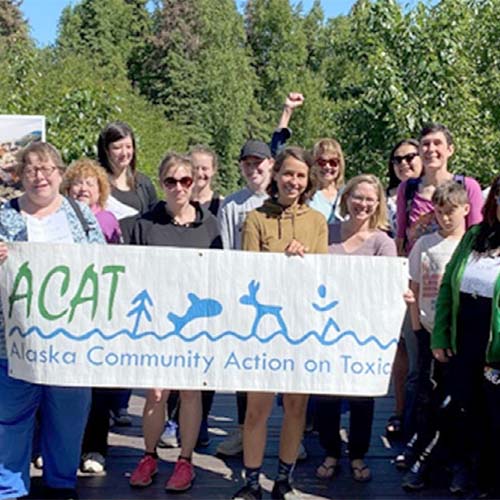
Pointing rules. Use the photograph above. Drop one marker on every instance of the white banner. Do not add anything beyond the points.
(208, 319)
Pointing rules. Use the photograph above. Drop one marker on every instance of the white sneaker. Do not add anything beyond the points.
(233, 445)
(169, 437)
(302, 454)
(93, 462)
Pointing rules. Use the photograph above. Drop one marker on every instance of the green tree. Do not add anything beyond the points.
(13, 27)
(197, 68)
(285, 60)
(106, 32)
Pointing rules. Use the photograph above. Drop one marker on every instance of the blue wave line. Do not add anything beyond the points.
(321, 338)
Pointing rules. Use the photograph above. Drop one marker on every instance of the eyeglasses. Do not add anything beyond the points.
(360, 199)
(171, 182)
(31, 172)
(397, 160)
(324, 162)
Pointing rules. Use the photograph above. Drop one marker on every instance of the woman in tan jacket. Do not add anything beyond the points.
(283, 224)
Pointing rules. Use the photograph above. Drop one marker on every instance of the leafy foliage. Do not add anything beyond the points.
(199, 71)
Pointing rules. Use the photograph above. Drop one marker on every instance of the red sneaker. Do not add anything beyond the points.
(182, 478)
(144, 472)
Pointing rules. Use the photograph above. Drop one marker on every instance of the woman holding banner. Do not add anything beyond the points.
(283, 224)
(362, 233)
(178, 222)
(41, 214)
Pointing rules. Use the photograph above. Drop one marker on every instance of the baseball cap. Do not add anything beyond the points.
(255, 148)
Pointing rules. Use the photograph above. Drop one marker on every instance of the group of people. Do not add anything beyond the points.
(447, 368)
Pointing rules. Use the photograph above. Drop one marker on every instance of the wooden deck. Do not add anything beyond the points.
(220, 478)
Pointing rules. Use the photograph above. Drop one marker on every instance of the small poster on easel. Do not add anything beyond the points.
(16, 132)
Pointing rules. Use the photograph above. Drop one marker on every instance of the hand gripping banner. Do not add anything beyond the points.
(124, 316)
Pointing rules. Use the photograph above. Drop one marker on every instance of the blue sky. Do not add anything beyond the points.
(43, 15)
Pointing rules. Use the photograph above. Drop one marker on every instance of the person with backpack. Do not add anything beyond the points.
(41, 214)
(415, 215)
(415, 210)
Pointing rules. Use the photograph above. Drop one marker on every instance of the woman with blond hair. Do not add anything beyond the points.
(329, 169)
(361, 233)
(176, 222)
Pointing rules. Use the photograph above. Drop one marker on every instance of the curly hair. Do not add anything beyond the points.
(85, 167)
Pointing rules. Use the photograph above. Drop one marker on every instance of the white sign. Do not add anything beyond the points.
(17, 131)
(203, 319)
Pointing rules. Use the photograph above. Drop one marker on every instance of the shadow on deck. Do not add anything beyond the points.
(220, 478)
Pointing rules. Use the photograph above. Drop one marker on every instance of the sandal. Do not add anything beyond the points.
(360, 473)
(394, 426)
(327, 469)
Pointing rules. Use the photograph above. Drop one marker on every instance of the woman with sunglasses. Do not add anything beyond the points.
(175, 222)
(329, 168)
(466, 336)
(404, 164)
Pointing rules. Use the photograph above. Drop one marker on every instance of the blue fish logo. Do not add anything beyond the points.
(199, 308)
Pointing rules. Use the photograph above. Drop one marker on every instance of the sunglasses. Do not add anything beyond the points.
(397, 160)
(324, 162)
(171, 183)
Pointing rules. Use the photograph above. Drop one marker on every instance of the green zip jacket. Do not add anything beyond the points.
(444, 335)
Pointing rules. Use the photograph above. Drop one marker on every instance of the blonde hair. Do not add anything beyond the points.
(332, 147)
(86, 167)
(174, 160)
(379, 219)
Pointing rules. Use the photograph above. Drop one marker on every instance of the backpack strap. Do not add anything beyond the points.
(14, 203)
(214, 205)
(78, 211)
(411, 190)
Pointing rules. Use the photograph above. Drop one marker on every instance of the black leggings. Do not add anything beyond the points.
(328, 409)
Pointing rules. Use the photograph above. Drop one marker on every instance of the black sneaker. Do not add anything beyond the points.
(248, 493)
(460, 479)
(415, 478)
(282, 490)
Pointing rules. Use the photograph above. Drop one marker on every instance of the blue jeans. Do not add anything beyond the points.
(63, 415)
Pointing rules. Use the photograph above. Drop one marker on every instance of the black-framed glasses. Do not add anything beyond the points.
(171, 182)
(409, 157)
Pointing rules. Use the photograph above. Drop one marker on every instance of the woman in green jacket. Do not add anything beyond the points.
(467, 336)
